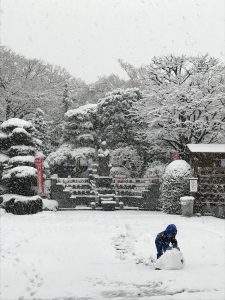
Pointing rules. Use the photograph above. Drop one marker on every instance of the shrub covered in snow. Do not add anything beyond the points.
(19, 174)
(65, 159)
(20, 205)
(175, 185)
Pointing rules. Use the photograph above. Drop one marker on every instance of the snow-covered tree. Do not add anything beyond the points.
(118, 117)
(175, 185)
(78, 142)
(19, 175)
(184, 101)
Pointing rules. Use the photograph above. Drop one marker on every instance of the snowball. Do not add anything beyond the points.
(170, 260)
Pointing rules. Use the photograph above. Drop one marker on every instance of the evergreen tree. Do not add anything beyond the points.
(19, 175)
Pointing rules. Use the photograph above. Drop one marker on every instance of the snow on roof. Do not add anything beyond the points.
(84, 109)
(21, 171)
(207, 148)
(15, 122)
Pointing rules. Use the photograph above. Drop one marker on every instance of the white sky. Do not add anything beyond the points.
(88, 36)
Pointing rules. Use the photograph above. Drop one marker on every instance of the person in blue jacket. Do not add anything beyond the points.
(165, 238)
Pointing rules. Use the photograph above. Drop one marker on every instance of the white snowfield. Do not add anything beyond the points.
(86, 255)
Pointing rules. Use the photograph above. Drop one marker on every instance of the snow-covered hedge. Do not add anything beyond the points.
(175, 185)
(20, 205)
(59, 160)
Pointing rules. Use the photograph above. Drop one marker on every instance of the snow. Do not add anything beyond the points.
(22, 159)
(170, 260)
(187, 199)
(94, 254)
(82, 110)
(3, 158)
(49, 204)
(20, 130)
(66, 151)
(7, 197)
(21, 171)
(3, 135)
(207, 148)
(15, 122)
(177, 168)
(22, 148)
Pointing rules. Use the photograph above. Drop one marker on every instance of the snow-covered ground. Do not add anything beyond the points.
(94, 255)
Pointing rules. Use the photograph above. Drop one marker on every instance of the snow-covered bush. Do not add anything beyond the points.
(65, 159)
(127, 158)
(21, 205)
(175, 185)
(19, 174)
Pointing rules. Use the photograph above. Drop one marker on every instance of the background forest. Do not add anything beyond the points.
(164, 105)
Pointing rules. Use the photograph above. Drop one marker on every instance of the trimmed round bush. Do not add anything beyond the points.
(175, 185)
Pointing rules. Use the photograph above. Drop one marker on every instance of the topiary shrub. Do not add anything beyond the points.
(175, 185)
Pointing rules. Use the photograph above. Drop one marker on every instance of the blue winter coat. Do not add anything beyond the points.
(164, 238)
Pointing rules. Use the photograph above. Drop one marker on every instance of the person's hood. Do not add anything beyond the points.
(171, 229)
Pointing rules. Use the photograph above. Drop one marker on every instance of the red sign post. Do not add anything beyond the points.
(40, 175)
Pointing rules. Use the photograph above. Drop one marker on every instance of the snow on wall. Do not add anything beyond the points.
(19, 172)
